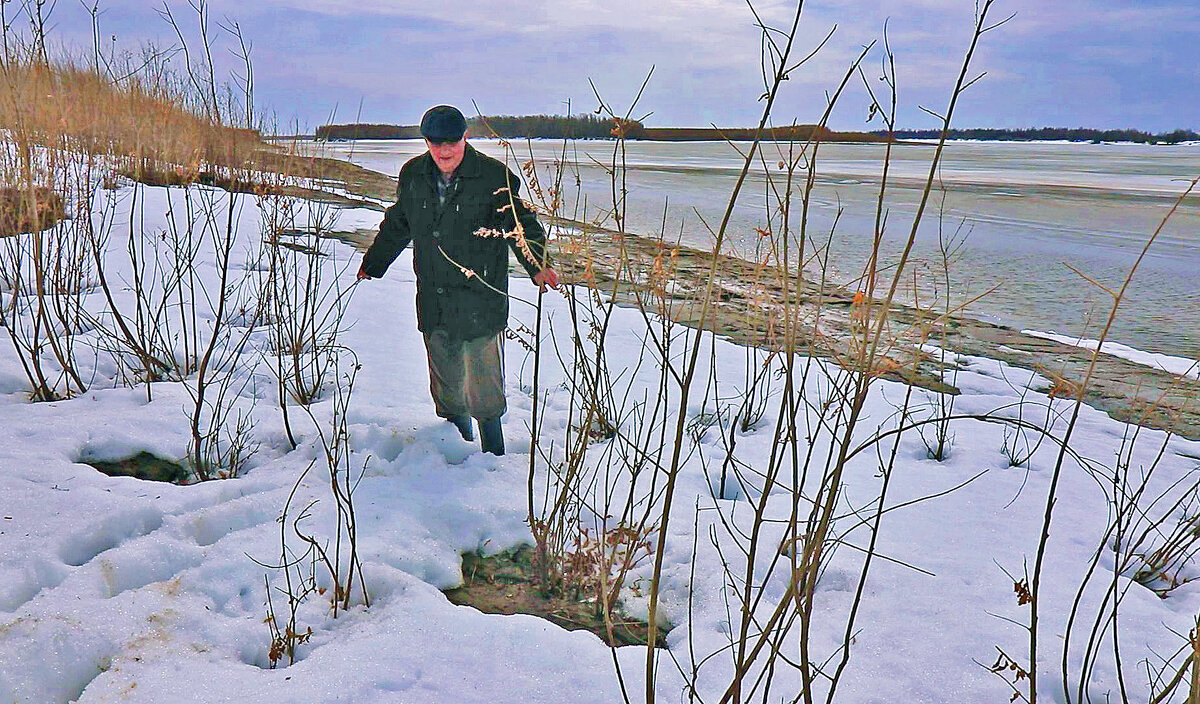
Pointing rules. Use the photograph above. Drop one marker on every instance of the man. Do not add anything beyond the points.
(461, 211)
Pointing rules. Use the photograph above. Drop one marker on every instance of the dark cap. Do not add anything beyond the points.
(443, 123)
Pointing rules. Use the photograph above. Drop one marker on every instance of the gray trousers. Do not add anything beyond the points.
(466, 377)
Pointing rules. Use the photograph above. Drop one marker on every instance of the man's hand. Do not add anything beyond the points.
(546, 277)
(362, 272)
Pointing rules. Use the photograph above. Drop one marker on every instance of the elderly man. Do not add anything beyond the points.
(461, 211)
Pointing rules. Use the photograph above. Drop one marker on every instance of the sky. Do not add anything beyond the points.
(1065, 63)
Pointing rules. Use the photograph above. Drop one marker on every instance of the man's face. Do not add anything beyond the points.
(447, 155)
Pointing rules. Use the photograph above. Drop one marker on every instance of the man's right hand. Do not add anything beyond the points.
(546, 277)
(362, 272)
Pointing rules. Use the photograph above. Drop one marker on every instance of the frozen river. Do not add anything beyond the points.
(1027, 210)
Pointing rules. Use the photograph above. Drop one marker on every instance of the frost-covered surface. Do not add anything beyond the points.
(115, 589)
(1168, 363)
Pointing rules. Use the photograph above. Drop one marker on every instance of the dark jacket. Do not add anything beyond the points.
(448, 298)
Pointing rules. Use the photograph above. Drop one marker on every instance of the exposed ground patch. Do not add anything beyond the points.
(143, 465)
(30, 209)
(506, 584)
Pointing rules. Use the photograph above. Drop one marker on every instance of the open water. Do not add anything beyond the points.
(1028, 212)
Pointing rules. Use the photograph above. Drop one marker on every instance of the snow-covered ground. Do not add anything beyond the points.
(117, 589)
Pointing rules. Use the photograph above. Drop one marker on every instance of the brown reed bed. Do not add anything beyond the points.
(145, 123)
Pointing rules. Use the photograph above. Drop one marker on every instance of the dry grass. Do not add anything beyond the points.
(145, 122)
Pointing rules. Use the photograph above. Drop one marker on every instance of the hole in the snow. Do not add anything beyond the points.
(143, 465)
(506, 583)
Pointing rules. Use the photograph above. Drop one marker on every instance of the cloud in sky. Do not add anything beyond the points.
(1102, 63)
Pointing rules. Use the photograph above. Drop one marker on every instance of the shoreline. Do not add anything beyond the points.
(1127, 391)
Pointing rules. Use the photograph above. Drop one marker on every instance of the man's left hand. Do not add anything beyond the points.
(546, 277)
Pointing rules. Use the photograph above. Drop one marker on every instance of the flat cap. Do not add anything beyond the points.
(443, 123)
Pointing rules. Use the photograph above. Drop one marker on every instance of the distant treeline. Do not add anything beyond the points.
(1078, 134)
(507, 126)
(365, 131)
(589, 127)
(542, 126)
(794, 133)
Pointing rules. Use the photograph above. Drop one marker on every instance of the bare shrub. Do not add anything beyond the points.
(774, 527)
(303, 297)
(341, 560)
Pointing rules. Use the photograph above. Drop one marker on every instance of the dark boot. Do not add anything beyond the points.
(463, 423)
(491, 435)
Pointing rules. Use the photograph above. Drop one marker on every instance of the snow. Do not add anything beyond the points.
(117, 589)
(1181, 366)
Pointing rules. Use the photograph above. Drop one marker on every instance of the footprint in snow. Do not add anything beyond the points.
(396, 445)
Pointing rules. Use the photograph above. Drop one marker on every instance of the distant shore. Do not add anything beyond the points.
(1053, 134)
(591, 127)
(629, 130)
